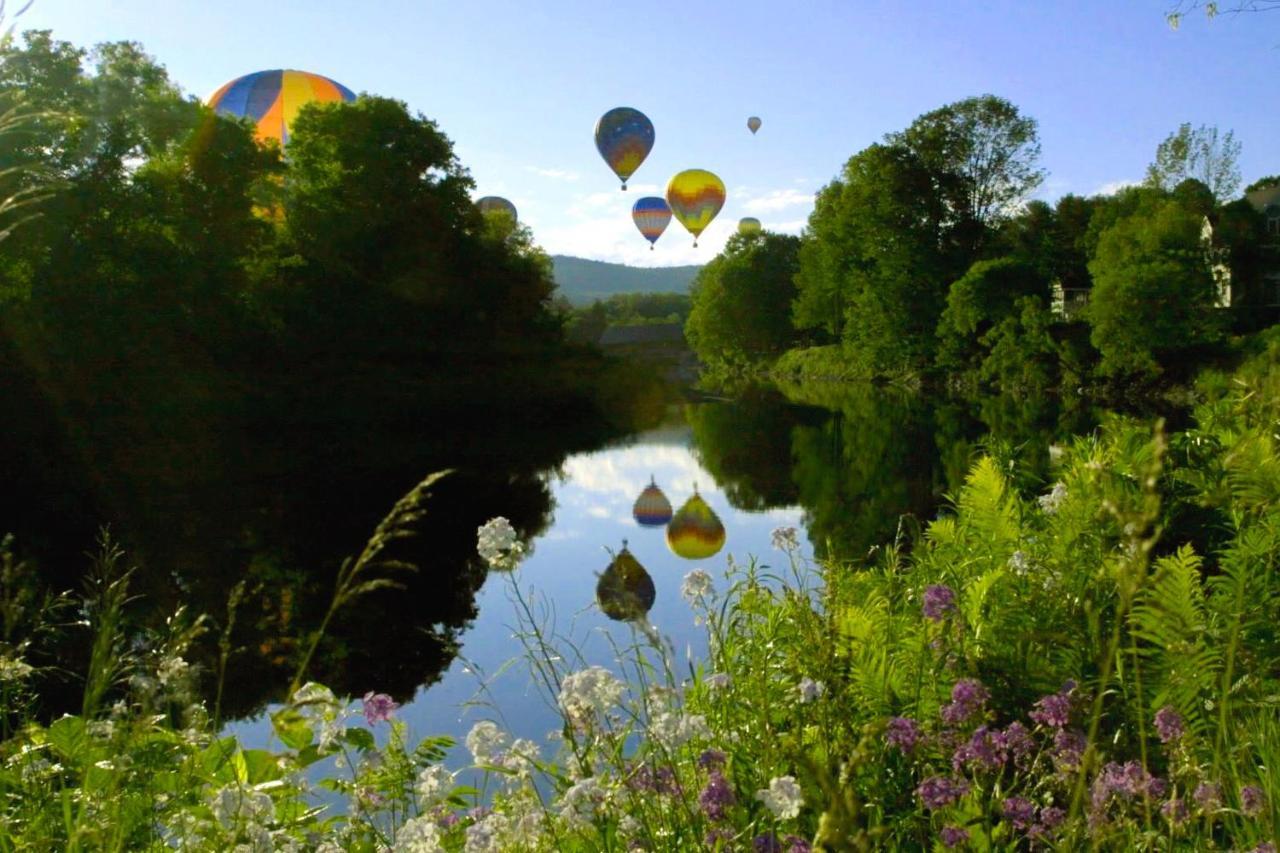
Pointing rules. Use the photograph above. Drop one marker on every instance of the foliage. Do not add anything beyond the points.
(1199, 154)
(983, 298)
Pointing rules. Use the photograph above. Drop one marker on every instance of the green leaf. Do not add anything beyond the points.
(262, 766)
(361, 739)
(68, 736)
(292, 728)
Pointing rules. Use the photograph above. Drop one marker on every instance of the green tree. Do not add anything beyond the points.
(1153, 294)
(1201, 154)
(983, 298)
(741, 300)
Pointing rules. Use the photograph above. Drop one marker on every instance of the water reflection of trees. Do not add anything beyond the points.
(860, 460)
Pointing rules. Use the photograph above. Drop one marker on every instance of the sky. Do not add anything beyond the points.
(518, 87)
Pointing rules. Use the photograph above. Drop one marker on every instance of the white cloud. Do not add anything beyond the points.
(794, 226)
(610, 235)
(556, 174)
(778, 200)
(1113, 187)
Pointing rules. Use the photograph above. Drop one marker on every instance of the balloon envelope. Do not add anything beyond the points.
(624, 137)
(695, 531)
(625, 591)
(748, 225)
(497, 204)
(695, 197)
(651, 215)
(272, 99)
(753, 123)
(652, 509)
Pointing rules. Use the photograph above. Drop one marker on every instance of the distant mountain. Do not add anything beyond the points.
(582, 281)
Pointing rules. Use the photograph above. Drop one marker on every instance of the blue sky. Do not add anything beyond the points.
(518, 86)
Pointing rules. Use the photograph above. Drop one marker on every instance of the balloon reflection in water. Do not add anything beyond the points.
(625, 591)
(695, 531)
(652, 509)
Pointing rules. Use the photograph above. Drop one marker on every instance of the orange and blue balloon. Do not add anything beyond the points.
(273, 98)
(497, 204)
(624, 137)
(651, 215)
(695, 197)
(651, 509)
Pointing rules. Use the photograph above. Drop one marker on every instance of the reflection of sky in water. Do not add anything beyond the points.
(593, 500)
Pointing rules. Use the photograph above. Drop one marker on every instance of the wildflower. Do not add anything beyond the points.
(1068, 748)
(1252, 800)
(968, 695)
(1051, 501)
(1018, 562)
(980, 752)
(1264, 847)
(583, 801)
(1015, 743)
(1055, 452)
(14, 669)
(939, 600)
(1208, 796)
(101, 729)
(498, 544)
(629, 827)
(592, 690)
(782, 797)
(810, 689)
(1175, 810)
(1169, 724)
(234, 806)
(697, 585)
(1050, 817)
(485, 741)
(902, 733)
(766, 843)
(939, 791)
(712, 759)
(796, 844)
(953, 836)
(519, 758)
(718, 839)
(1020, 811)
(785, 539)
(489, 834)
(434, 783)
(1053, 710)
(172, 670)
(673, 730)
(716, 796)
(378, 707)
(718, 680)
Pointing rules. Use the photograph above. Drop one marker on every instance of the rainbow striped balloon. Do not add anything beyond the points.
(273, 98)
(695, 197)
(651, 215)
(624, 137)
(651, 509)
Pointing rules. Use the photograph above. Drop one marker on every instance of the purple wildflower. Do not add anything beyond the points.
(378, 707)
(980, 752)
(766, 843)
(1208, 796)
(1053, 711)
(1050, 817)
(712, 759)
(718, 839)
(1265, 847)
(1252, 800)
(939, 791)
(938, 601)
(716, 796)
(1016, 744)
(967, 698)
(449, 820)
(902, 733)
(953, 836)
(1020, 811)
(1068, 748)
(796, 844)
(479, 813)
(1168, 724)
(1175, 810)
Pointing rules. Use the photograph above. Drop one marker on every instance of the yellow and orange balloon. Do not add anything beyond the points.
(272, 99)
(695, 196)
(695, 531)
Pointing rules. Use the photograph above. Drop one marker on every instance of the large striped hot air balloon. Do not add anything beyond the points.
(624, 137)
(625, 591)
(695, 531)
(695, 197)
(651, 215)
(652, 509)
(272, 99)
(497, 204)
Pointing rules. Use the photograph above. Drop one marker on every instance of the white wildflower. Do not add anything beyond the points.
(810, 689)
(519, 758)
(1051, 501)
(583, 802)
(1055, 452)
(628, 827)
(119, 709)
(697, 585)
(434, 783)
(782, 797)
(785, 538)
(234, 806)
(101, 729)
(1018, 562)
(418, 835)
(673, 729)
(498, 543)
(14, 669)
(485, 741)
(489, 835)
(589, 691)
(172, 670)
(718, 680)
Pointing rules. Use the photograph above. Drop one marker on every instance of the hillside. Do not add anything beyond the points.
(582, 281)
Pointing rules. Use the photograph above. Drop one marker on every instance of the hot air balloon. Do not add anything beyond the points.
(625, 591)
(624, 137)
(695, 197)
(651, 216)
(748, 225)
(753, 124)
(652, 509)
(273, 98)
(695, 531)
(497, 204)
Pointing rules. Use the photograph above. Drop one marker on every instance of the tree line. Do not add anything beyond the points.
(925, 258)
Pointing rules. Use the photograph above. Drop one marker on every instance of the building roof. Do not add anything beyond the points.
(1265, 197)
